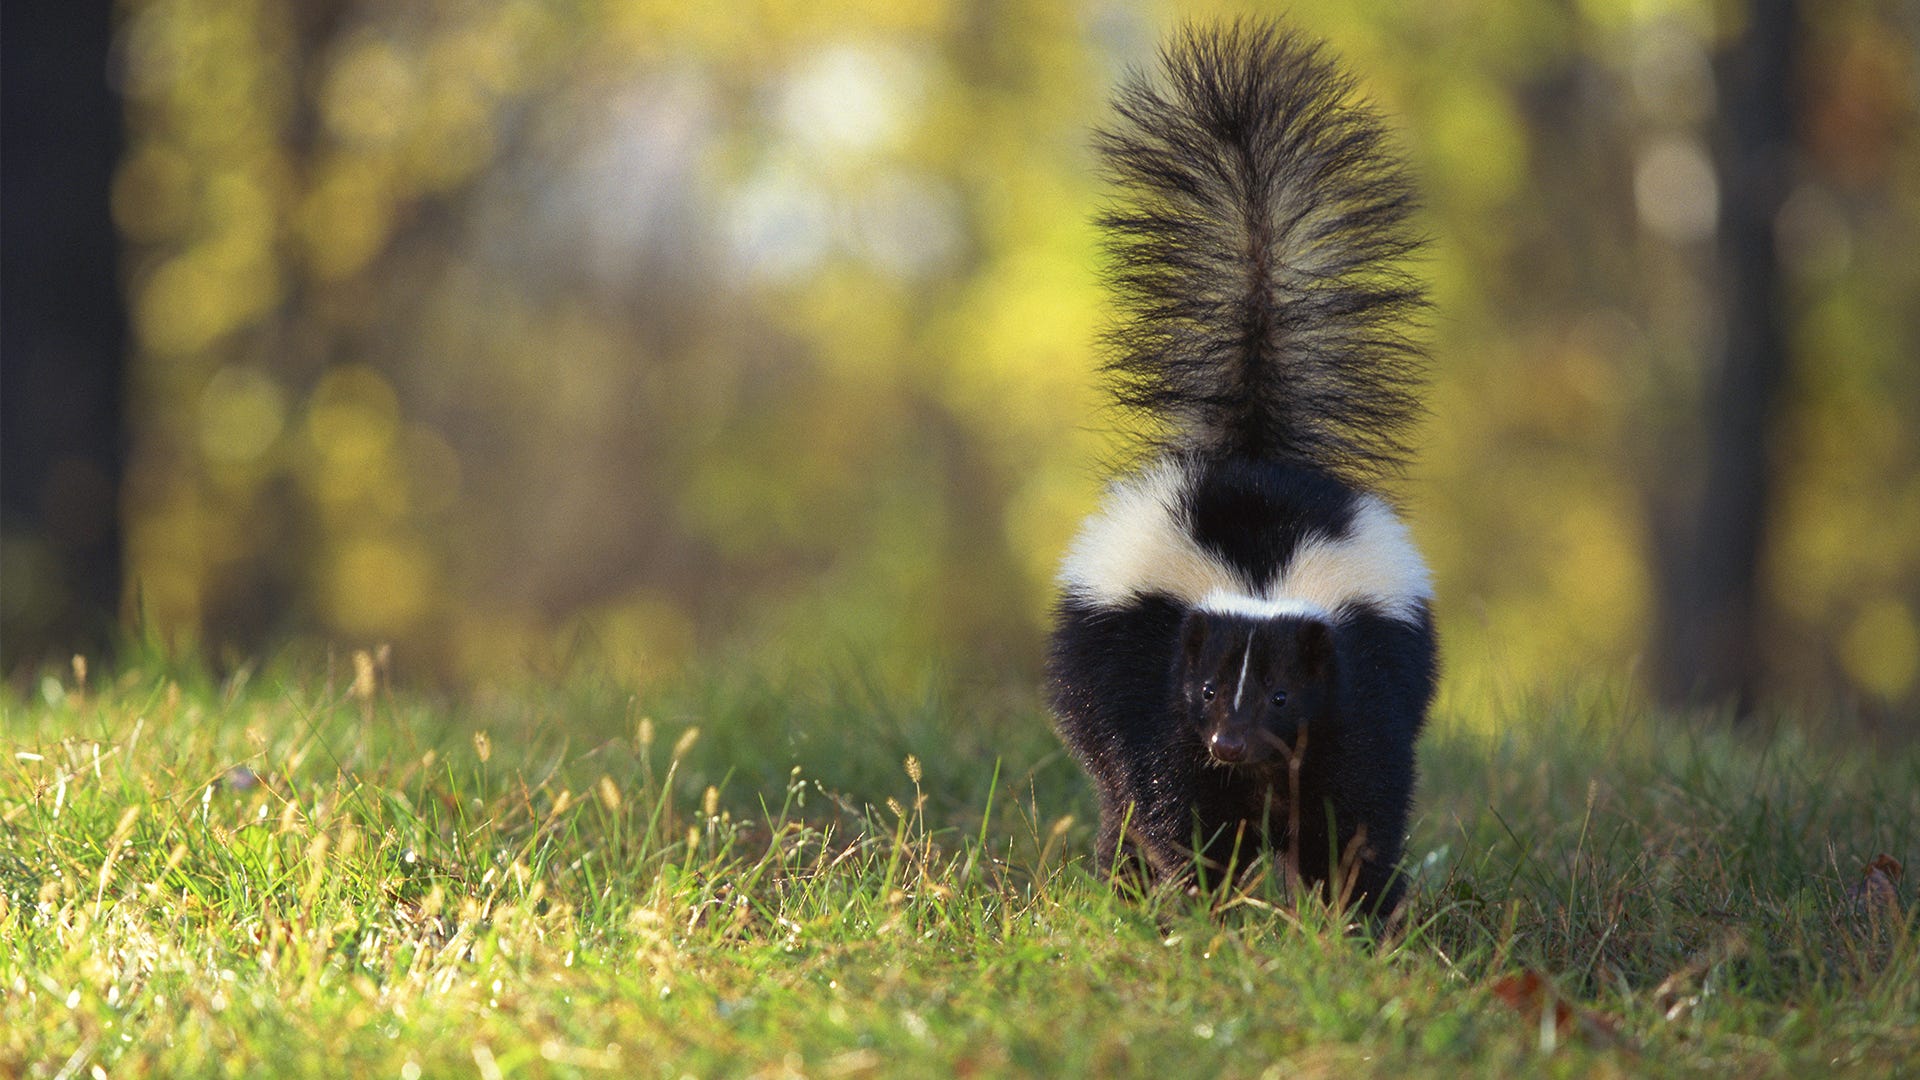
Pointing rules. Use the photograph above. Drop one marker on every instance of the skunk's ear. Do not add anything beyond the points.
(1315, 648)
(1193, 637)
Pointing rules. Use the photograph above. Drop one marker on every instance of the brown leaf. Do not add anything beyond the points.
(1679, 992)
(1876, 896)
(1878, 883)
(1529, 993)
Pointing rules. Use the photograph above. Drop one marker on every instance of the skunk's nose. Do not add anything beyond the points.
(1227, 747)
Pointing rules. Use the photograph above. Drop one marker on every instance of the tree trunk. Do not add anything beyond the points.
(1711, 634)
(62, 335)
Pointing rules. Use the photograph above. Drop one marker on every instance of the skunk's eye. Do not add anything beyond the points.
(1207, 691)
(1279, 698)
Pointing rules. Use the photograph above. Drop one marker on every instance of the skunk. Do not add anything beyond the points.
(1243, 653)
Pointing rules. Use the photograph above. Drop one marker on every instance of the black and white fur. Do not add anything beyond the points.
(1244, 651)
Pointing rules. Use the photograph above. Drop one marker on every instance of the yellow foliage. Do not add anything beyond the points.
(241, 413)
(352, 419)
(1882, 649)
(377, 586)
(489, 328)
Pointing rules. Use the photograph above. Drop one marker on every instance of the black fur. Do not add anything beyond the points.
(1119, 704)
(1253, 514)
(1254, 252)
(1123, 682)
(1264, 337)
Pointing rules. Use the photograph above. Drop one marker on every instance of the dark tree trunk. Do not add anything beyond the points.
(1713, 611)
(62, 334)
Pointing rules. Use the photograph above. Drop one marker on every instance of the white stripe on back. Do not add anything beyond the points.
(1260, 607)
(1136, 544)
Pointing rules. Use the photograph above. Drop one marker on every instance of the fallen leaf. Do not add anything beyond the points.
(1875, 898)
(1679, 992)
(1878, 886)
(1529, 993)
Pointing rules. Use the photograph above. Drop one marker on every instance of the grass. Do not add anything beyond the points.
(276, 874)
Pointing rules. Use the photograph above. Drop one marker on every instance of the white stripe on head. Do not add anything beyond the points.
(1242, 685)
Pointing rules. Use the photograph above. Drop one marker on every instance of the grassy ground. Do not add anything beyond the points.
(286, 876)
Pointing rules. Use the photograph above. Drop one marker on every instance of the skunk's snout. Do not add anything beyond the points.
(1227, 747)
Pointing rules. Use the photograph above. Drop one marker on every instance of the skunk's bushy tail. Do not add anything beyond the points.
(1255, 253)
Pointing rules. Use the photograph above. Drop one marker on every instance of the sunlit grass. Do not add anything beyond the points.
(281, 874)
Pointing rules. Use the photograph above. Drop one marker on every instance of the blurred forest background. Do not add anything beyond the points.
(499, 331)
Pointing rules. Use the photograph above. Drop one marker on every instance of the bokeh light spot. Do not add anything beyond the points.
(379, 584)
(1881, 649)
(242, 412)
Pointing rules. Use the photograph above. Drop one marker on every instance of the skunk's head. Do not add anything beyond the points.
(1250, 685)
